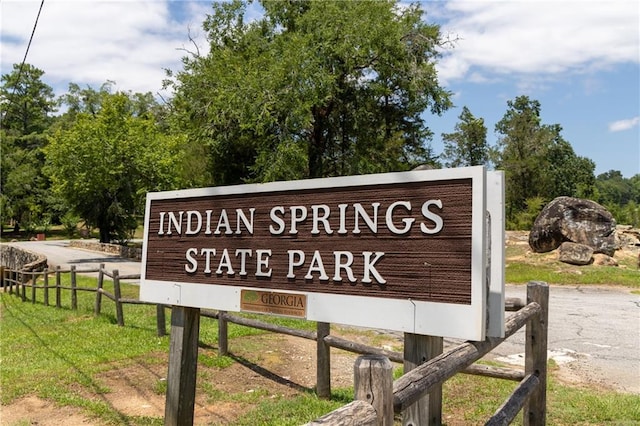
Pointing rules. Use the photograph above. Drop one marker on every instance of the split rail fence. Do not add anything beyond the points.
(377, 397)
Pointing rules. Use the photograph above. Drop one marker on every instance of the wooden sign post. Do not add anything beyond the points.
(183, 361)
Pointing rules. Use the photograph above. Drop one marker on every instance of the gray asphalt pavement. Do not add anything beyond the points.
(594, 335)
(594, 332)
(59, 253)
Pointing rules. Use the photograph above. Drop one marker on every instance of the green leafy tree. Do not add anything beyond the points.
(537, 161)
(311, 89)
(634, 181)
(520, 151)
(105, 161)
(621, 196)
(613, 188)
(26, 108)
(566, 173)
(88, 100)
(467, 146)
(26, 101)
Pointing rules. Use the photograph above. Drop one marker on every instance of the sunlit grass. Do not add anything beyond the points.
(473, 399)
(523, 266)
(294, 411)
(58, 353)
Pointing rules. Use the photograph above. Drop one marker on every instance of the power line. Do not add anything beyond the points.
(35, 24)
(24, 59)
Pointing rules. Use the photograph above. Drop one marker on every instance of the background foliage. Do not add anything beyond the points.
(312, 89)
(309, 90)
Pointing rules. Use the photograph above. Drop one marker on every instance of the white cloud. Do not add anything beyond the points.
(621, 125)
(89, 42)
(536, 37)
(132, 41)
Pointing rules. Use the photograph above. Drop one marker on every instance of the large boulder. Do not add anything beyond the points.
(575, 220)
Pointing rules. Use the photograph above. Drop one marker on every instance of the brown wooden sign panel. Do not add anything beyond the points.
(400, 241)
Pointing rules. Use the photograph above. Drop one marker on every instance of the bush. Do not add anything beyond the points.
(523, 220)
(629, 214)
(70, 223)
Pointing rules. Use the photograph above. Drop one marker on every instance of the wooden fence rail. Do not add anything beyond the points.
(20, 280)
(530, 393)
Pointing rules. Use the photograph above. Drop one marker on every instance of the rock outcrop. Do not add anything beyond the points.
(574, 220)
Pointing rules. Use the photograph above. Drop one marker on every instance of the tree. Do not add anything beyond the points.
(105, 161)
(634, 181)
(567, 173)
(537, 161)
(89, 101)
(613, 188)
(26, 105)
(467, 146)
(621, 196)
(26, 102)
(311, 89)
(520, 147)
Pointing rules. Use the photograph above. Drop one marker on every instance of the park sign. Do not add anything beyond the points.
(398, 251)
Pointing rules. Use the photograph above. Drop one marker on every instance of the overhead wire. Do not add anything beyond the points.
(24, 59)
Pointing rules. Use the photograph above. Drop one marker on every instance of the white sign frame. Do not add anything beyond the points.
(419, 317)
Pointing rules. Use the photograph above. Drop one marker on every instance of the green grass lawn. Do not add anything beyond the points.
(523, 266)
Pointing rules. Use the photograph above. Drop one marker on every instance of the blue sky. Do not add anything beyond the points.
(579, 59)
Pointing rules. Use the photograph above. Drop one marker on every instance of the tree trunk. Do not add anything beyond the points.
(318, 140)
(104, 235)
(104, 228)
(315, 148)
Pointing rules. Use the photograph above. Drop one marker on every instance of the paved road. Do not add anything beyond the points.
(594, 335)
(594, 332)
(59, 253)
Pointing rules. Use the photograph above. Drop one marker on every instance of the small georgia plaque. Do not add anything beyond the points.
(277, 303)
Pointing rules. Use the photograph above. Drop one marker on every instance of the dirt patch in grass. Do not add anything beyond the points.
(264, 366)
(32, 410)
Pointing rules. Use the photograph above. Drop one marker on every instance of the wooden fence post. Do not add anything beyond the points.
(373, 383)
(46, 287)
(58, 296)
(183, 361)
(118, 296)
(161, 323)
(419, 349)
(23, 285)
(535, 410)
(223, 334)
(74, 285)
(34, 280)
(12, 280)
(98, 305)
(323, 361)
